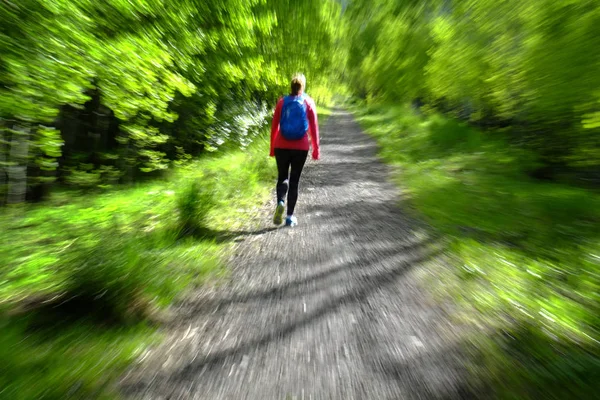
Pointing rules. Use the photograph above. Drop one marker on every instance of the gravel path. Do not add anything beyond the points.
(334, 308)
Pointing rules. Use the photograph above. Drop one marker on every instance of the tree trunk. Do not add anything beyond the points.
(17, 170)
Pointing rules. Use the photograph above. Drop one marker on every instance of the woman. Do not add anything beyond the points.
(294, 121)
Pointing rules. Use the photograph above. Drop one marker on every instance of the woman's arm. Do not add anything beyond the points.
(275, 125)
(313, 125)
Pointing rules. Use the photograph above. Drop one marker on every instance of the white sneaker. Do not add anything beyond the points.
(291, 221)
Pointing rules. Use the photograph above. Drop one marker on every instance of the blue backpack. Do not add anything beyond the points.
(294, 122)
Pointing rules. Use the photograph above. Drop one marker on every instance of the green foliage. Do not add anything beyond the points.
(59, 360)
(86, 267)
(111, 275)
(530, 64)
(140, 80)
(194, 203)
(74, 230)
(526, 250)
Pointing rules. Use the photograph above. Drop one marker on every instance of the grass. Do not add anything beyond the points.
(527, 252)
(79, 361)
(82, 275)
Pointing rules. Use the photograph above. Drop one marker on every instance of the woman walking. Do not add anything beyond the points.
(295, 119)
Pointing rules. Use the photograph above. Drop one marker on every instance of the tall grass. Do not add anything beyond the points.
(81, 275)
(194, 203)
(526, 251)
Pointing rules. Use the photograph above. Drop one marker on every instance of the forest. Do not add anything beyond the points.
(130, 130)
(100, 93)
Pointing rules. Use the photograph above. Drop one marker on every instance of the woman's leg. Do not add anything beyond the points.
(283, 159)
(297, 161)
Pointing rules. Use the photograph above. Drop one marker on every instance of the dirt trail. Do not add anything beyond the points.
(332, 309)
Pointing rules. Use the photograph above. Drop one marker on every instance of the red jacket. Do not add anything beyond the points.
(279, 142)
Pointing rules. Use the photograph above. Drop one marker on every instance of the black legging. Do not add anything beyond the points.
(287, 181)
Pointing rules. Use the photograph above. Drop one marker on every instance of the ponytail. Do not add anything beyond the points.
(298, 84)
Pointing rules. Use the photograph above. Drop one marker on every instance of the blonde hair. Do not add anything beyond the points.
(298, 83)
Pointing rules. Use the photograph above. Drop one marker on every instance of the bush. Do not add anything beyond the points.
(111, 278)
(194, 203)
